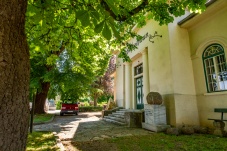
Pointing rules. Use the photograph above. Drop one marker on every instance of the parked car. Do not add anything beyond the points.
(69, 108)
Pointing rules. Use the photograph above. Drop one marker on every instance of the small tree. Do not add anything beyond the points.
(104, 84)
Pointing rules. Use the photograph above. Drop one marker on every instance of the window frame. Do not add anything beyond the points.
(138, 67)
(204, 58)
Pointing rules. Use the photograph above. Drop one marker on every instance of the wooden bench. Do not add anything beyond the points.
(219, 123)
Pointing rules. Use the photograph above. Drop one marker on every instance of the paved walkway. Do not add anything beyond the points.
(86, 126)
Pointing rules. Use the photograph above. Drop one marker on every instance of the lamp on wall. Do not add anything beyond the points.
(155, 35)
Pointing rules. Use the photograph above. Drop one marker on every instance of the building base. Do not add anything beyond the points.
(155, 128)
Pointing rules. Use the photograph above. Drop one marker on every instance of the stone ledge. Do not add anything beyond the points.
(155, 128)
(134, 118)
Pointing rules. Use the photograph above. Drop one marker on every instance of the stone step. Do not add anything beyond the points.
(115, 122)
(117, 115)
(130, 110)
(115, 118)
(120, 112)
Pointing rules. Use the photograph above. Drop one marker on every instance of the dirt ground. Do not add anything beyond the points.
(87, 128)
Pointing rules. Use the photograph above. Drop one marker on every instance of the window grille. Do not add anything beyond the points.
(215, 68)
(139, 69)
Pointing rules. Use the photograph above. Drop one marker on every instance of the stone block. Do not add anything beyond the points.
(134, 118)
(106, 112)
(155, 128)
(219, 128)
(187, 130)
(173, 131)
(201, 130)
(155, 114)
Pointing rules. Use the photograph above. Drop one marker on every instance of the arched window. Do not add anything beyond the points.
(215, 68)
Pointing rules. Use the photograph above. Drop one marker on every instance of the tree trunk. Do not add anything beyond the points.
(95, 101)
(41, 97)
(14, 76)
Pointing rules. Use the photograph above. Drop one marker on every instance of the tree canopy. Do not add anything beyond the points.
(52, 24)
(88, 29)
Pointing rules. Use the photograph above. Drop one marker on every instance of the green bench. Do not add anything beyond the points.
(219, 123)
(220, 110)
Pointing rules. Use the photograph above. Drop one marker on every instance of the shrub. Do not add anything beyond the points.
(58, 105)
(90, 108)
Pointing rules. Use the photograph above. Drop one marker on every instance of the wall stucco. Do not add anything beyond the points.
(208, 30)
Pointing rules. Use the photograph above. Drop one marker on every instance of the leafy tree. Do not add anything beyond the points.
(48, 36)
(76, 74)
(107, 79)
(103, 86)
(49, 27)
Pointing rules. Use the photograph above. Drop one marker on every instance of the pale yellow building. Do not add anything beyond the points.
(187, 66)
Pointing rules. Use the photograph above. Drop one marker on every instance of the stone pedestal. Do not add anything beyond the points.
(155, 118)
(219, 127)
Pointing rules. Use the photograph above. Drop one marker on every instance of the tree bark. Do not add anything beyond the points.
(95, 101)
(41, 97)
(14, 76)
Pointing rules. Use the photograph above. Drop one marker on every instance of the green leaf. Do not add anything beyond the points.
(110, 3)
(112, 25)
(99, 27)
(85, 20)
(84, 17)
(106, 32)
(51, 60)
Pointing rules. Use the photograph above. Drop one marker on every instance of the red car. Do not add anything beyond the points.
(69, 108)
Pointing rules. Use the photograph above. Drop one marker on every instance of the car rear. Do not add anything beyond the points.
(69, 108)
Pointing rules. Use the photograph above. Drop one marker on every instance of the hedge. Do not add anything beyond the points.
(90, 108)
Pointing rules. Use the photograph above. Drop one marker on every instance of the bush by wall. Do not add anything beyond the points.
(90, 108)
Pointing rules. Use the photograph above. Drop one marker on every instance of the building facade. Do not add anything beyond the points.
(185, 61)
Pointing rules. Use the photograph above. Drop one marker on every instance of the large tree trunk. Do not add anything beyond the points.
(14, 76)
(41, 98)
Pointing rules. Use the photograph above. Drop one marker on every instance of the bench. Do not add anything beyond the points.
(220, 110)
(219, 123)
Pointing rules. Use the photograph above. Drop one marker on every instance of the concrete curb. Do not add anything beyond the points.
(59, 143)
(39, 123)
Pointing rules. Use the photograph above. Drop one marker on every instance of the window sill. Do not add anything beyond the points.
(216, 93)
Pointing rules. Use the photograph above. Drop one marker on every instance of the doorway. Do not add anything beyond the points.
(139, 93)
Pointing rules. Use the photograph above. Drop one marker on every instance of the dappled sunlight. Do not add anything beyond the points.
(41, 141)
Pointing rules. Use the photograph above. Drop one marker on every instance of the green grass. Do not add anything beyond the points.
(41, 141)
(38, 118)
(158, 142)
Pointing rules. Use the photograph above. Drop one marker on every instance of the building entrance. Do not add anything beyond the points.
(139, 93)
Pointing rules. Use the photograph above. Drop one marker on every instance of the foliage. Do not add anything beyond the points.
(81, 24)
(87, 31)
(104, 85)
(90, 108)
(85, 99)
(76, 73)
(157, 142)
(104, 98)
(39, 118)
(58, 104)
(41, 141)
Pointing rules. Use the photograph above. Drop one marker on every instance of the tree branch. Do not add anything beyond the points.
(124, 17)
